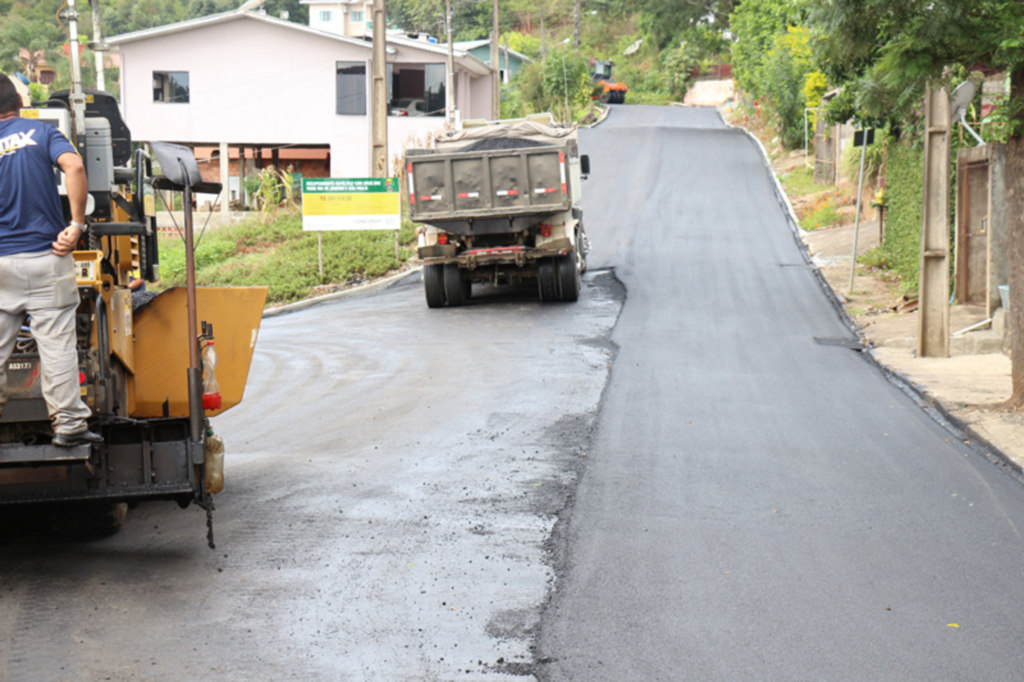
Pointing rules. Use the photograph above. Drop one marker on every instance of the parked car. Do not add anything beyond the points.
(409, 106)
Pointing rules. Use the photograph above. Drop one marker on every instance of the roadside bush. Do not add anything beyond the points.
(903, 188)
(565, 75)
(38, 92)
(678, 62)
(785, 69)
(874, 159)
(815, 87)
(823, 212)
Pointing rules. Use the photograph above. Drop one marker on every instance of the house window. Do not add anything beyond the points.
(357, 16)
(351, 88)
(325, 15)
(416, 89)
(170, 86)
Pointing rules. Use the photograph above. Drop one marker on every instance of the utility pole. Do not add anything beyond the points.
(449, 81)
(97, 45)
(496, 67)
(77, 98)
(933, 335)
(379, 95)
(576, 25)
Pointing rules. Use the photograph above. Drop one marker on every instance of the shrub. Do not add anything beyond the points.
(822, 213)
(904, 187)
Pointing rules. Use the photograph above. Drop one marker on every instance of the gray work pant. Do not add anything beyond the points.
(43, 286)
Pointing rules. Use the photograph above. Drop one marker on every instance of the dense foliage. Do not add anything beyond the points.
(902, 245)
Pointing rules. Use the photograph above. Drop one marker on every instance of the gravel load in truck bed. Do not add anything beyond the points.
(492, 143)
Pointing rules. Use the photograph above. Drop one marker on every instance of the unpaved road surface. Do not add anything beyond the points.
(669, 480)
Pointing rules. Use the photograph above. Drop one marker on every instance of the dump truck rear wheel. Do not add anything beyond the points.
(433, 285)
(569, 276)
(455, 288)
(547, 280)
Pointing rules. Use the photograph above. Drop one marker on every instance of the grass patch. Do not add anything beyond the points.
(800, 181)
(822, 213)
(279, 255)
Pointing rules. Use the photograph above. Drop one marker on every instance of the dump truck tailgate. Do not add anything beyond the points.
(488, 184)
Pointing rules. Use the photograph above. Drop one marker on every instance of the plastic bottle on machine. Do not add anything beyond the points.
(211, 390)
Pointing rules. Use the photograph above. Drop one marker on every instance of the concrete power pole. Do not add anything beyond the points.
(379, 95)
(933, 336)
(449, 81)
(495, 68)
(97, 45)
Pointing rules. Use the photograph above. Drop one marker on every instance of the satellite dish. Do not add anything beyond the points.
(961, 99)
(958, 103)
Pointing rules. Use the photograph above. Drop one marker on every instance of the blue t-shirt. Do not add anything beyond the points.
(31, 216)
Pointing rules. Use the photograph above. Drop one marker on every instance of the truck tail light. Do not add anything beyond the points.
(545, 230)
(442, 238)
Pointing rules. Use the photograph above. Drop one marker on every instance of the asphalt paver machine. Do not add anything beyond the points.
(148, 368)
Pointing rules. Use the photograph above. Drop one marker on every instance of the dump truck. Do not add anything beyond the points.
(146, 369)
(498, 202)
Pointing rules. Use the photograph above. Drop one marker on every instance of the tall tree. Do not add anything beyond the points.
(663, 19)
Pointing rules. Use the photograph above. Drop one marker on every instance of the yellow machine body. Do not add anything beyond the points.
(161, 349)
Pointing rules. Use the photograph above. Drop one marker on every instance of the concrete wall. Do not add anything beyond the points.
(480, 93)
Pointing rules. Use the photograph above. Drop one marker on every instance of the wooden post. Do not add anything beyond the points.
(379, 103)
(225, 179)
(856, 215)
(933, 335)
(449, 81)
(495, 67)
(242, 196)
(320, 253)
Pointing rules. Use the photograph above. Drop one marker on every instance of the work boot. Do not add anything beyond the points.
(70, 440)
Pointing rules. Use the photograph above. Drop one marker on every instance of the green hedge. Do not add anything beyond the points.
(904, 177)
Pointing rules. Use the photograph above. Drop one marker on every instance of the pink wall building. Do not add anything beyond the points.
(245, 79)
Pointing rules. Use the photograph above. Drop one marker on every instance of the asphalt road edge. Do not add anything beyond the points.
(932, 406)
(375, 285)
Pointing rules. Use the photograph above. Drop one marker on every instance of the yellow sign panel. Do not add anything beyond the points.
(351, 204)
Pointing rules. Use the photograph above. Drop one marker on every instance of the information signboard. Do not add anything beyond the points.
(350, 204)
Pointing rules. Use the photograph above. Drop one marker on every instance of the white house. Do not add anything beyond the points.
(353, 18)
(256, 82)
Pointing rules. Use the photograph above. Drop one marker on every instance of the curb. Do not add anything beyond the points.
(941, 414)
(606, 110)
(377, 285)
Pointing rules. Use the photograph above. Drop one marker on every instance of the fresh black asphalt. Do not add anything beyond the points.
(756, 505)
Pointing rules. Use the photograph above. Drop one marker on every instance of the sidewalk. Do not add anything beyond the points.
(966, 385)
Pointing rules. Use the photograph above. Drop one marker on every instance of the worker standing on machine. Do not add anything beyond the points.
(37, 275)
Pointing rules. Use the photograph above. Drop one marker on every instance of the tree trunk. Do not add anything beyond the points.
(1015, 250)
(543, 48)
(576, 25)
